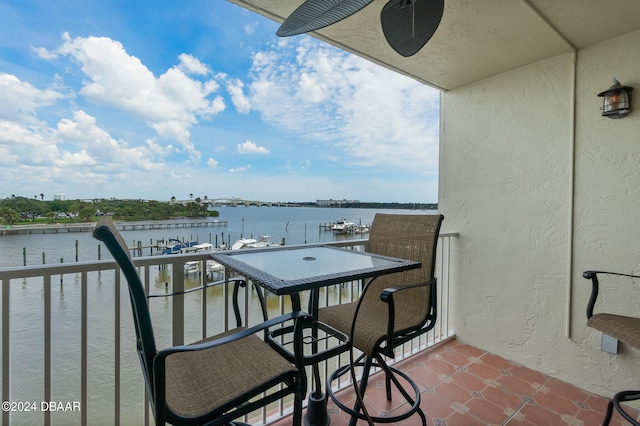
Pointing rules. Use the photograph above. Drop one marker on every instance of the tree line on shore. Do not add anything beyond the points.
(18, 209)
(21, 209)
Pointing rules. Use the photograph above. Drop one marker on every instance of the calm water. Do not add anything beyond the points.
(295, 225)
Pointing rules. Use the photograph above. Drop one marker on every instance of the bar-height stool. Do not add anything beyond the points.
(623, 328)
(215, 380)
(392, 310)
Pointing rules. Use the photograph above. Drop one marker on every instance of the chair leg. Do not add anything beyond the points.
(607, 418)
(363, 387)
(297, 410)
(388, 371)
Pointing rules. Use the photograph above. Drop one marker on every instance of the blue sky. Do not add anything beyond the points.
(154, 99)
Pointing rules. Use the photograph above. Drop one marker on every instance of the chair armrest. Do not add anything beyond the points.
(298, 315)
(595, 286)
(387, 296)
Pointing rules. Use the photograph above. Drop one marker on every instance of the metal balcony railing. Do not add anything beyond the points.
(68, 344)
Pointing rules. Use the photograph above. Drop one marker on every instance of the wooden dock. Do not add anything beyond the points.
(355, 229)
(122, 226)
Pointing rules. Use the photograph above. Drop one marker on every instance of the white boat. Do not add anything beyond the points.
(243, 243)
(193, 267)
(173, 246)
(342, 225)
(361, 229)
(214, 267)
(263, 241)
(197, 247)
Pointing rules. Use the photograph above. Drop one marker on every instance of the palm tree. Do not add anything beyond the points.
(41, 196)
(9, 216)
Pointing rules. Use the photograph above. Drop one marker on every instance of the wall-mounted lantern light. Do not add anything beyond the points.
(617, 100)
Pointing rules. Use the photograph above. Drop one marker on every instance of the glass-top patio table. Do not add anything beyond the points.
(289, 270)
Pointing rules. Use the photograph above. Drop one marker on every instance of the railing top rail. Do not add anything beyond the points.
(94, 265)
(100, 265)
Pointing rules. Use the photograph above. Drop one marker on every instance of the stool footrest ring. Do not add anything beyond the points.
(386, 369)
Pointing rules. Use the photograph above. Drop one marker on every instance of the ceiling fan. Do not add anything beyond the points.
(407, 24)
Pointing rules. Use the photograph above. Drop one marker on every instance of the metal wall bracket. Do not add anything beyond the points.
(609, 344)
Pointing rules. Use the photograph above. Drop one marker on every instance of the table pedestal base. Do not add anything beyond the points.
(317, 410)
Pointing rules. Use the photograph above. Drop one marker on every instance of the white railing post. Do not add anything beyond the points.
(84, 357)
(178, 304)
(6, 349)
(47, 345)
(116, 350)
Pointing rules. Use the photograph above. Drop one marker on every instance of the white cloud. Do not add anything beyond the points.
(170, 104)
(19, 100)
(30, 145)
(249, 29)
(44, 53)
(212, 163)
(311, 89)
(302, 165)
(95, 143)
(249, 147)
(75, 153)
(239, 100)
(159, 150)
(81, 158)
(240, 169)
(373, 116)
(192, 65)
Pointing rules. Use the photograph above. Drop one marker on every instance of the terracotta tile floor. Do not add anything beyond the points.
(463, 385)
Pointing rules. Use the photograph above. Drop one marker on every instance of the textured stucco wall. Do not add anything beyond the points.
(506, 187)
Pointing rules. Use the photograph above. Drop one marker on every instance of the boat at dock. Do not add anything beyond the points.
(361, 229)
(261, 242)
(174, 246)
(197, 247)
(342, 225)
(195, 266)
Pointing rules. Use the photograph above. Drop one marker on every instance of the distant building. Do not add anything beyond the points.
(335, 203)
(58, 197)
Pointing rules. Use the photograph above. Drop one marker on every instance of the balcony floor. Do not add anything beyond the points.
(463, 385)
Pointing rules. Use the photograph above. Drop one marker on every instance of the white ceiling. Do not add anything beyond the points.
(476, 38)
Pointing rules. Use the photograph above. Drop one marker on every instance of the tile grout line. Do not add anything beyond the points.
(527, 400)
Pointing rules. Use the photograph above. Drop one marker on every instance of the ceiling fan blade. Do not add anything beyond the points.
(409, 24)
(315, 14)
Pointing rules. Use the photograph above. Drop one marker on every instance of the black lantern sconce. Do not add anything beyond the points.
(617, 100)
